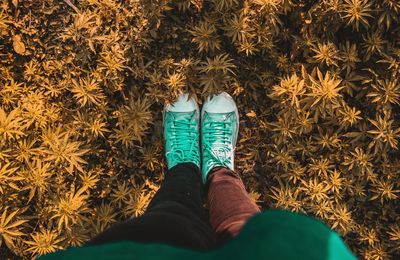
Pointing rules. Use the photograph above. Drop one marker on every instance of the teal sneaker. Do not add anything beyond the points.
(181, 132)
(219, 132)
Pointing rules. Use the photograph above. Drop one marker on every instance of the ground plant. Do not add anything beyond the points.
(83, 83)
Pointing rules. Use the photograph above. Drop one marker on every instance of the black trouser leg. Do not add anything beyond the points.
(174, 216)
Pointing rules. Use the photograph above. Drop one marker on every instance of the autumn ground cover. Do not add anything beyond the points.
(82, 85)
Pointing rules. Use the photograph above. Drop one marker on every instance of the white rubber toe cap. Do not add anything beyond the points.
(221, 103)
(183, 104)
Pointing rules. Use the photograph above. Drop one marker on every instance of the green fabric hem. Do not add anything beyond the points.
(272, 234)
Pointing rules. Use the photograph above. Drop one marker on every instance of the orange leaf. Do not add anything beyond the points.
(251, 114)
(19, 46)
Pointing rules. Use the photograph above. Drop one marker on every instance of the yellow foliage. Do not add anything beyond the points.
(82, 85)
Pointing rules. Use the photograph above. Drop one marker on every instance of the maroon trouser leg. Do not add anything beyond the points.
(229, 203)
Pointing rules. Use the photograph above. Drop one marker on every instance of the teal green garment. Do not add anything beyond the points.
(272, 234)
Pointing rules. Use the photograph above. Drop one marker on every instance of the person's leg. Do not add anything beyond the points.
(230, 206)
(174, 216)
(229, 203)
